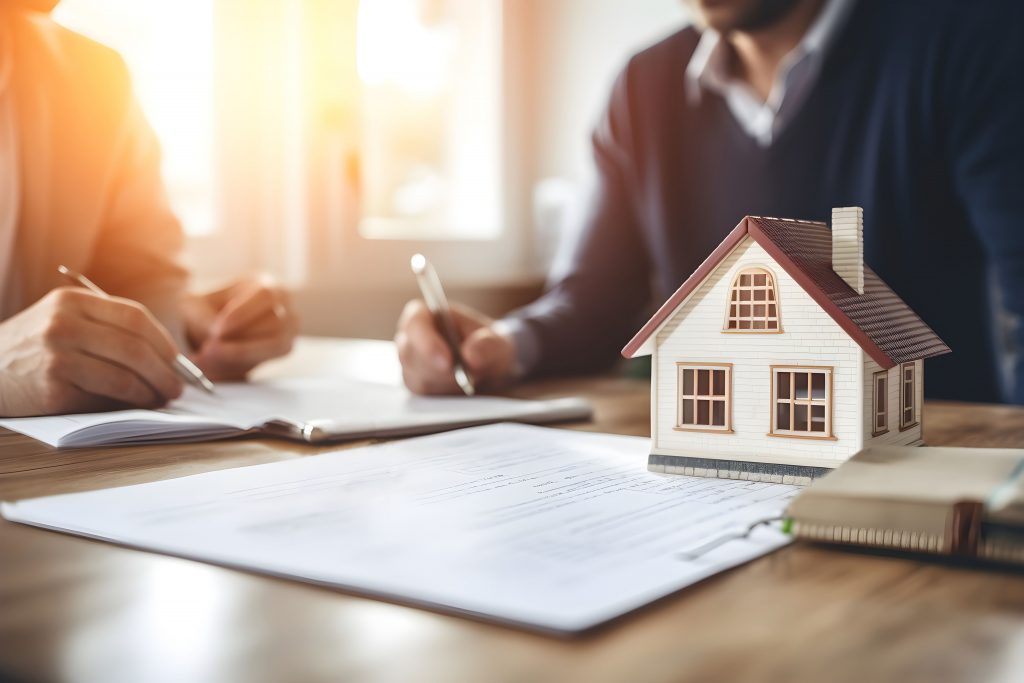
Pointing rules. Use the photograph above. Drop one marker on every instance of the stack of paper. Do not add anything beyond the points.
(553, 529)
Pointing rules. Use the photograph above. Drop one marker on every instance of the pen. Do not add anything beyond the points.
(437, 302)
(184, 367)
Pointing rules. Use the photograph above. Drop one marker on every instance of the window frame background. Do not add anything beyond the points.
(286, 202)
(829, 433)
(688, 365)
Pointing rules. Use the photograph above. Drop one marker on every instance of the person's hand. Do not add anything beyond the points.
(427, 360)
(234, 329)
(75, 351)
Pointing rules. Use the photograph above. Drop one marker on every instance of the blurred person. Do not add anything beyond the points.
(913, 110)
(80, 185)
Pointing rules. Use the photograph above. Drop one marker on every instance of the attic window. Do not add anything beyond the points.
(753, 304)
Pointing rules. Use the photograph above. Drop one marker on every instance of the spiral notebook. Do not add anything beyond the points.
(964, 502)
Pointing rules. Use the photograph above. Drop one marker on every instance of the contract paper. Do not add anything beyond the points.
(550, 529)
(307, 409)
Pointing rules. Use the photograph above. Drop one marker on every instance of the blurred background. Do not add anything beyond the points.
(325, 141)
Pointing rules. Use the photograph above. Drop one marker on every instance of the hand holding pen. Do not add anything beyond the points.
(447, 348)
(182, 365)
(78, 351)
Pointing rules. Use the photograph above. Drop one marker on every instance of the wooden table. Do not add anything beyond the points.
(78, 610)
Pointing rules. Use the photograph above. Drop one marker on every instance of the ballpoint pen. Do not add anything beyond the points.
(184, 367)
(437, 302)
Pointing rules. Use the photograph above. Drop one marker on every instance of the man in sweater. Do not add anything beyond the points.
(913, 110)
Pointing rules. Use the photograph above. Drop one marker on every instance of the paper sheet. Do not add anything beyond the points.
(549, 528)
(341, 407)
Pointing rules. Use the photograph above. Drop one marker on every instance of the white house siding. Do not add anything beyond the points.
(810, 337)
(894, 437)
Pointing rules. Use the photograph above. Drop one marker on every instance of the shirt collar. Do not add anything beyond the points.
(709, 65)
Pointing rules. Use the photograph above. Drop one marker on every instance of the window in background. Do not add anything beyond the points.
(169, 50)
(431, 79)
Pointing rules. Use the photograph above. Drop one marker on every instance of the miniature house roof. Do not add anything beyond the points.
(878, 320)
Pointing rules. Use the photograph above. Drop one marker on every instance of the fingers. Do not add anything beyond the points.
(425, 356)
(112, 348)
(256, 324)
(123, 314)
(99, 377)
(126, 352)
(255, 306)
(467, 320)
(489, 356)
(427, 360)
(223, 359)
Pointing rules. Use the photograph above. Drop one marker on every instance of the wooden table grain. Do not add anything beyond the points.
(72, 609)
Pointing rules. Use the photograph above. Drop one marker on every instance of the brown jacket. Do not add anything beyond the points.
(91, 196)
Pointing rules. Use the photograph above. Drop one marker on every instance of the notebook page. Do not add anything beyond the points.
(340, 407)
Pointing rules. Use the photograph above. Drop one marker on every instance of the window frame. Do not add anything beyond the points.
(904, 425)
(771, 286)
(829, 372)
(876, 412)
(682, 366)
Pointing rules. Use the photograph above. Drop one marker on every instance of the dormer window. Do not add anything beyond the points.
(753, 304)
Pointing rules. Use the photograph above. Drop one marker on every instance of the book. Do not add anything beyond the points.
(313, 410)
(963, 502)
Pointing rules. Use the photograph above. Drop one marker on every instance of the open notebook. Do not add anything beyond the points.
(309, 409)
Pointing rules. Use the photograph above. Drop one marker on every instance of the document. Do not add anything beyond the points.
(306, 409)
(551, 529)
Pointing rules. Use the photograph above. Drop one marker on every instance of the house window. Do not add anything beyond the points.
(908, 394)
(753, 304)
(705, 397)
(802, 402)
(881, 404)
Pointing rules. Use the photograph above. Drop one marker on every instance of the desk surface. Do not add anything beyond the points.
(78, 610)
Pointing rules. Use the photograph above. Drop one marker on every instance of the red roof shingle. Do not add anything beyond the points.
(878, 320)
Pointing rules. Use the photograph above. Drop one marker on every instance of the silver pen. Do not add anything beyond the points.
(188, 370)
(437, 302)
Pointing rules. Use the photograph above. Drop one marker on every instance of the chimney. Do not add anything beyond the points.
(848, 245)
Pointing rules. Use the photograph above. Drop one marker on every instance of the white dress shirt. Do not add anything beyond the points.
(709, 69)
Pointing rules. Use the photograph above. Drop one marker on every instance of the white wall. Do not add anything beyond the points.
(581, 46)
(577, 49)
(810, 337)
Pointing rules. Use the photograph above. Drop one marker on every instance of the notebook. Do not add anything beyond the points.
(965, 502)
(313, 410)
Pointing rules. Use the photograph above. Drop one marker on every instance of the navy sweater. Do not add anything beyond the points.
(917, 116)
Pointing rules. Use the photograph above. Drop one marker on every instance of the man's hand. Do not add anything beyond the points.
(234, 329)
(75, 351)
(427, 361)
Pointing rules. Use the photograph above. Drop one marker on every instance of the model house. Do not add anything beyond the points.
(783, 355)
